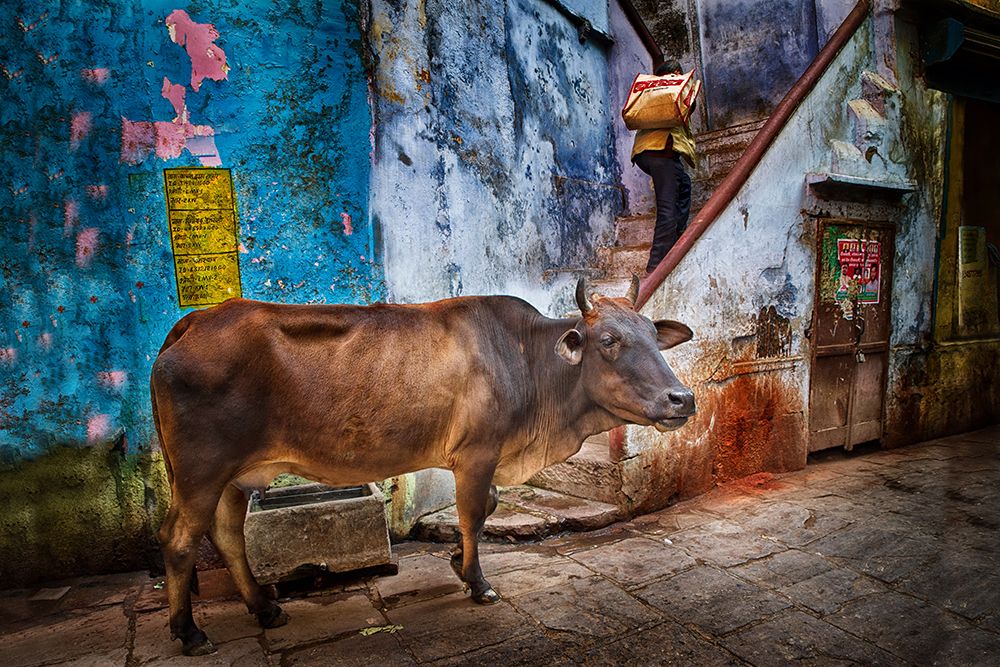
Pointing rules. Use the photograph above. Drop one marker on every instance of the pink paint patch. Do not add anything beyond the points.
(170, 139)
(45, 341)
(345, 219)
(97, 75)
(175, 93)
(98, 427)
(112, 379)
(86, 246)
(138, 140)
(97, 191)
(208, 61)
(8, 355)
(79, 128)
(71, 214)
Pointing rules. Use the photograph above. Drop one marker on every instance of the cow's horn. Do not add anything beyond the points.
(581, 296)
(633, 290)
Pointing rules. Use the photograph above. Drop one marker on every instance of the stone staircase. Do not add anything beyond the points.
(627, 255)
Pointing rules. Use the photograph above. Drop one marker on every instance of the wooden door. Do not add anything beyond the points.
(850, 333)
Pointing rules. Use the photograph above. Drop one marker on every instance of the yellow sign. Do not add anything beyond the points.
(201, 212)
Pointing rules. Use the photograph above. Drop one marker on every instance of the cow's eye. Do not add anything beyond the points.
(607, 340)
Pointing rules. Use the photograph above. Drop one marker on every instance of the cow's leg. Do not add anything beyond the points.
(184, 526)
(227, 535)
(456, 554)
(474, 499)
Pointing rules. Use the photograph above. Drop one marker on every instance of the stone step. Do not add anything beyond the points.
(635, 230)
(524, 513)
(588, 474)
(614, 287)
(623, 262)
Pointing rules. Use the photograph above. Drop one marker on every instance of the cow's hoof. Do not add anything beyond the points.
(202, 647)
(489, 596)
(272, 617)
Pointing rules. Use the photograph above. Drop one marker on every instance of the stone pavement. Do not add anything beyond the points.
(887, 558)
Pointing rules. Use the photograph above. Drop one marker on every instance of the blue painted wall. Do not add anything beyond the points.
(86, 278)
(495, 168)
(87, 290)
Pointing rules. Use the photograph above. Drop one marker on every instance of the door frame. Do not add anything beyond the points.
(886, 272)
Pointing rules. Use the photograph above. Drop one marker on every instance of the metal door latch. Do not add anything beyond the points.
(859, 356)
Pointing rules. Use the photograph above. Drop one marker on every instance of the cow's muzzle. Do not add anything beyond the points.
(676, 406)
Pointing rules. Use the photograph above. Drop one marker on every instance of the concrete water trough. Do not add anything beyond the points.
(300, 530)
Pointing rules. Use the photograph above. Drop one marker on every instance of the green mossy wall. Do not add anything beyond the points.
(79, 510)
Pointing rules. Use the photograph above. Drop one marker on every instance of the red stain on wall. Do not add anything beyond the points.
(758, 426)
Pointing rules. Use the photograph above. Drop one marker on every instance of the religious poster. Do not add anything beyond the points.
(201, 213)
(860, 270)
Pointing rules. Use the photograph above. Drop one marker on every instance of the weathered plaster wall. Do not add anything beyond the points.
(747, 286)
(494, 167)
(98, 99)
(626, 58)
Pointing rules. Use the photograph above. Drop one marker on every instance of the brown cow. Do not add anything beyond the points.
(484, 386)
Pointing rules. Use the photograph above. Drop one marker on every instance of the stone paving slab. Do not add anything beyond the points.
(591, 607)
(793, 637)
(724, 542)
(378, 650)
(666, 644)
(529, 650)
(714, 600)
(917, 631)
(558, 571)
(453, 624)
(316, 619)
(874, 558)
(635, 561)
(419, 578)
(67, 637)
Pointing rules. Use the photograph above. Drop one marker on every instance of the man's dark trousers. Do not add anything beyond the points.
(672, 188)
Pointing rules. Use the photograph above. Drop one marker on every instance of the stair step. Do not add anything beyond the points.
(589, 474)
(524, 513)
(636, 230)
(623, 262)
(614, 287)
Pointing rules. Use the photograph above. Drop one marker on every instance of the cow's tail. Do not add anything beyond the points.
(172, 337)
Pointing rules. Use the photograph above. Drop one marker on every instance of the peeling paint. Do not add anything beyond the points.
(208, 60)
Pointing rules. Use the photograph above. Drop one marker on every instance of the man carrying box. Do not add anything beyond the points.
(658, 152)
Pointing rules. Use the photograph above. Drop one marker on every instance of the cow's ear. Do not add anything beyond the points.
(570, 347)
(670, 333)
